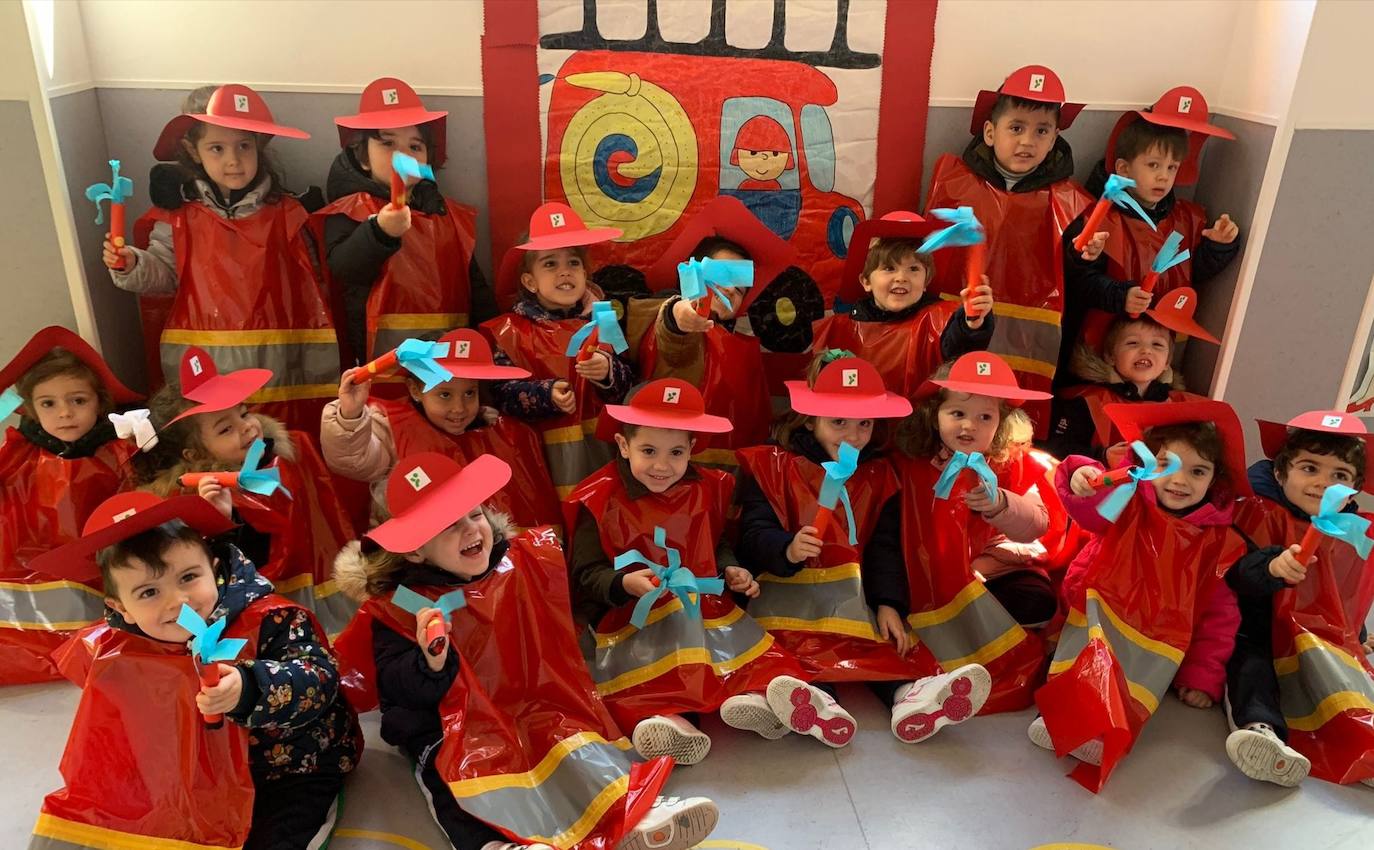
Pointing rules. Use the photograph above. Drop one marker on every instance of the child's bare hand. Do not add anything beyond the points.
(596, 368)
(640, 582)
(981, 304)
(1369, 645)
(490, 415)
(422, 618)
(1137, 300)
(394, 222)
(891, 627)
(1286, 566)
(563, 397)
(111, 256)
(1095, 246)
(354, 388)
(1083, 479)
(1224, 231)
(739, 580)
(1194, 698)
(216, 494)
(224, 697)
(979, 501)
(807, 544)
(689, 321)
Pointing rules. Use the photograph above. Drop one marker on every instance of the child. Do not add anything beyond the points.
(972, 557)
(62, 461)
(897, 324)
(1132, 365)
(486, 712)
(565, 395)
(1158, 147)
(363, 441)
(652, 500)
(1016, 174)
(164, 778)
(1146, 603)
(1302, 639)
(408, 271)
(229, 249)
(815, 597)
(205, 425)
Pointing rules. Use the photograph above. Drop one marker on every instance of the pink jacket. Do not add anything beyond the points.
(1218, 617)
(1021, 522)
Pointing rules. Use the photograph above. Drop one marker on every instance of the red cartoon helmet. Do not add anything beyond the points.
(762, 133)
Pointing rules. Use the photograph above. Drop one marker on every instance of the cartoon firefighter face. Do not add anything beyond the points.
(762, 150)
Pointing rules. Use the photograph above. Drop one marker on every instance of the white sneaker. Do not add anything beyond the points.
(670, 735)
(1369, 782)
(673, 824)
(751, 713)
(808, 710)
(923, 708)
(1088, 753)
(1261, 754)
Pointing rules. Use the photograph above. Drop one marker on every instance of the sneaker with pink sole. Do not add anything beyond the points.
(925, 707)
(808, 710)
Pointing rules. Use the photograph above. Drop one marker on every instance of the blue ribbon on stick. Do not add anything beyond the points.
(1115, 191)
(1111, 507)
(1352, 528)
(607, 327)
(206, 643)
(833, 489)
(964, 230)
(696, 278)
(115, 191)
(961, 461)
(673, 578)
(421, 358)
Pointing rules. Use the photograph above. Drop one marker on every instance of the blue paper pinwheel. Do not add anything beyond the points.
(208, 649)
(1111, 507)
(1115, 191)
(10, 401)
(116, 191)
(602, 326)
(1169, 255)
(436, 630)
(421, 358)
(833, 491)
(698, 278)
(961, 461)
(1331, 521)
(250, 476)
(965, 230)
(673, 578)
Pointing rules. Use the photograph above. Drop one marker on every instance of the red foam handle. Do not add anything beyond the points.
(1148, 284)
(973, 270)
(703, 306)
(117, 232)
(1095, 219)
(824, 516)
(386, 363)
(209, 677)
(589, 347)
(1108, 479)
(436, 635)
(1310, 539)
(225, 479)
(398, 190)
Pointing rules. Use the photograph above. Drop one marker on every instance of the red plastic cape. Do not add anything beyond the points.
(1121, 647)
(528, 747)
(528, 499)
(820, 614)
(44, 502)
(1097, 397)
(953, 615)
(424, 288)
(904, 353)
(1025, 263)
(677, 662)
(1325, 686)
(248, 294)
(732, 385)
(570, 444)
(125, 786)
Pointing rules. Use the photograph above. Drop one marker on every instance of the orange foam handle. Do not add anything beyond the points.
(588, 348)
(977, 262)
(386, 363)
(703, 306)
(1310, 539)
(1148, 284)
(225, 479)
(209, 677)
(824, 516)
(1095, 219)
(436, 635)
(398, 190)
(1107, 480)
(117, 230)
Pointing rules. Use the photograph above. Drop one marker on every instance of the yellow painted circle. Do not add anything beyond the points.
(1071, 847)
(786, 310)
(618, 308)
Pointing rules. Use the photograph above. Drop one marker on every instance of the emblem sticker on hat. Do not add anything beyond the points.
(1181, 302)
(556, 219)
(1037, 82)
(390, 97)
(241, 103)
(196, 368)
(984, 367)
(123, 515)
(1332, 421)
(418, 479)
(671, 395)
(461, 348)
(849, 378)
(1185, 104)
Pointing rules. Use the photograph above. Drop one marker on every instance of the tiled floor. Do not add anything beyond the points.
(981, 786)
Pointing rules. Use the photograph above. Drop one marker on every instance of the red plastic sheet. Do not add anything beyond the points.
(904, 353)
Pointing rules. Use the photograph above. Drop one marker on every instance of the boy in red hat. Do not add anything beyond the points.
(564, 394)
(763, 151)
(653, 506)
(898, 324)
(1133, 365)
(1299, 691)
(363, 440)
(1158, 147)
(1147, 606)
(140, 773)
(466, 640)
(403, 271)
(65, 458)
(1016, 174)
(226, 261)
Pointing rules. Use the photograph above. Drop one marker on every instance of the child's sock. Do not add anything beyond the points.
(925, 707)
(751, 713)
(1261, 754)
(670, 735)
(1088, 753)
(673, 824)
(808, 710)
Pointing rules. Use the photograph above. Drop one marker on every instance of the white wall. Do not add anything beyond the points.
(1333, 90)
(1262, 64)
(64, 59)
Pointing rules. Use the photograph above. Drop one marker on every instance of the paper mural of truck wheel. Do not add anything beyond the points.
(781, 317)
(629, 157)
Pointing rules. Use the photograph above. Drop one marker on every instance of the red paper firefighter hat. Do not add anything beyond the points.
(120, 517)
(469, 356)
(899, 224)
(727, 217)
(555, 225)
(1033, 82)
(1183, 107)
(848, 388)
(1134, 419)
(982, 373)
(388, 103)
(42, 344)
(234, 106)
(762, 133)
(427, 492)
(1274, 434)
(669, 403)
(1175, 312)
(202, 383)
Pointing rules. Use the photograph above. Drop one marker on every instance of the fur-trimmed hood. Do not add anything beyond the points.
(279, 442)
(1093, 368)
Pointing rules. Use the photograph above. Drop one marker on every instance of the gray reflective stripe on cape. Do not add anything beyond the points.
(52, 606)
(977, 632)
(1320, 675)
(834, 606)
(712, 642)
